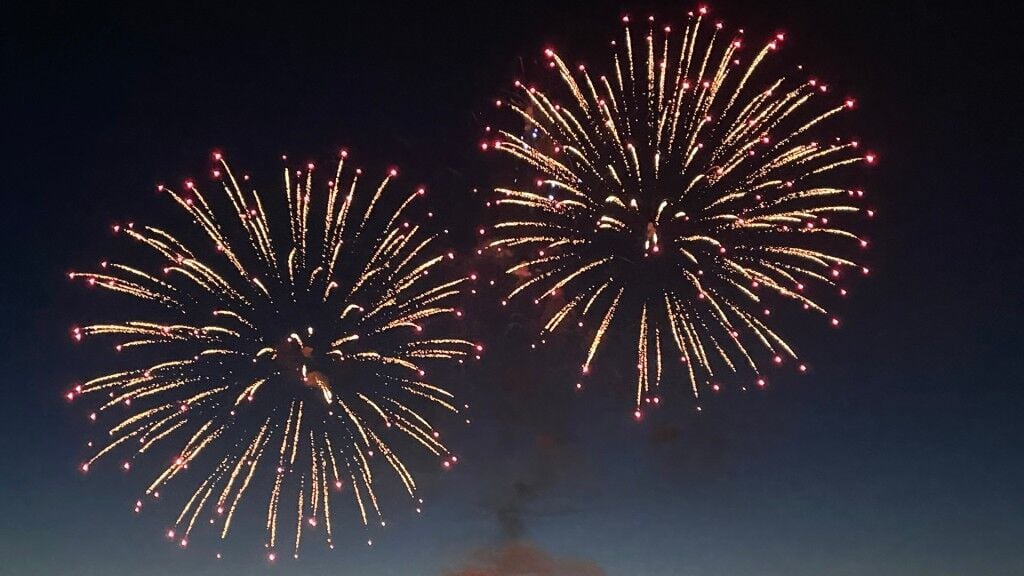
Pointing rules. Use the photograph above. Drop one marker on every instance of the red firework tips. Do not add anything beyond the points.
(354, 229)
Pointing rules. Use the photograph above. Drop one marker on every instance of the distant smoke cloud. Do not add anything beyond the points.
(514, 495)
(510, 512)
(523, 559)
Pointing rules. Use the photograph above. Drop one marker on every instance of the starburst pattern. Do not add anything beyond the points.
(276, 361)
(680, 198)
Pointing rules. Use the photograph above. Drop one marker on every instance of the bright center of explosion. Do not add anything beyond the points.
(296, 355)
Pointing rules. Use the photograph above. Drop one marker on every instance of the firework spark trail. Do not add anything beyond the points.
(685, 193)
(295, 356)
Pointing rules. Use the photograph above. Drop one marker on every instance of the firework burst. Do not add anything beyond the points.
(679, 199)
(278, 360)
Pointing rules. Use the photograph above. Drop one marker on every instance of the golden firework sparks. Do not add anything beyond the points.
(279, 358)
(678, 198)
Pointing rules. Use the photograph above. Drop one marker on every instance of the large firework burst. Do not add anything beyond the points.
(278, 359)
(679, 198)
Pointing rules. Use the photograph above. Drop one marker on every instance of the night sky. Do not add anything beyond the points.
(900, 453)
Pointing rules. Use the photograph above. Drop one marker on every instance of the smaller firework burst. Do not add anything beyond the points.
(680, 198)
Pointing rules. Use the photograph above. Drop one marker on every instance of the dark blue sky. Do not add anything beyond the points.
(902, 453)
